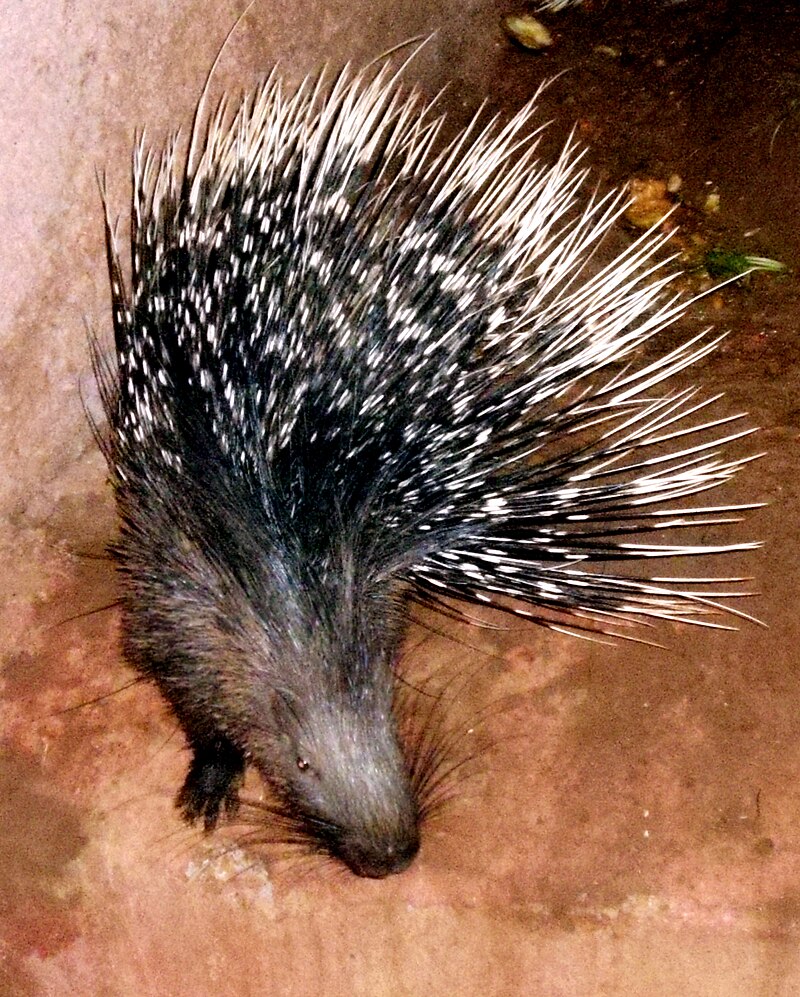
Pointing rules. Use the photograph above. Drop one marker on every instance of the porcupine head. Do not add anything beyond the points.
(350, 370)
(268, 655)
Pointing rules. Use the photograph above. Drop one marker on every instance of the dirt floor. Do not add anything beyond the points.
(629, 823)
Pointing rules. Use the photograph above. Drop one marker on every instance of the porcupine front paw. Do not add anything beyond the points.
(212, 783)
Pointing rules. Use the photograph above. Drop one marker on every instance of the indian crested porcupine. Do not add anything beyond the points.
(356, 368)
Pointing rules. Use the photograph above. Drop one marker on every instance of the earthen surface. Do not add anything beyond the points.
(629, 822)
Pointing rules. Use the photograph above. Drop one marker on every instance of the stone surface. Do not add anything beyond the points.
(628, 824)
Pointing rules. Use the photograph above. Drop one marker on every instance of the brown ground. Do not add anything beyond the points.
(635, 828)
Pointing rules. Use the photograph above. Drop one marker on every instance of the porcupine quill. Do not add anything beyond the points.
(353, 373)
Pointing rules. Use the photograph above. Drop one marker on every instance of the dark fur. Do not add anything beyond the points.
(264, 664)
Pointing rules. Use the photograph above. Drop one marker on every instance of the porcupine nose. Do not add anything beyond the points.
(377, 862)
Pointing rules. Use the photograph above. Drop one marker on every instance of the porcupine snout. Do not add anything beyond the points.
(342, 770)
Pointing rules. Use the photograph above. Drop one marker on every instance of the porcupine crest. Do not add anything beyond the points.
(353, 370)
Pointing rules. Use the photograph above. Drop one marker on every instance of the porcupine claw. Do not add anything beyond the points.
(212, 783)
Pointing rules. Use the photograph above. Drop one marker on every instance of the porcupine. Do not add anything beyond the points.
(357, 367)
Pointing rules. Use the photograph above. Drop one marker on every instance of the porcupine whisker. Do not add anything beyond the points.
(431, 738)
(84, 614)
(270, 823)
(101, 698)
(434, 764)
(441, 766)
(84, 555)
(274, 827)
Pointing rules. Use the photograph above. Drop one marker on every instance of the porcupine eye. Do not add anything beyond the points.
(308, 775)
